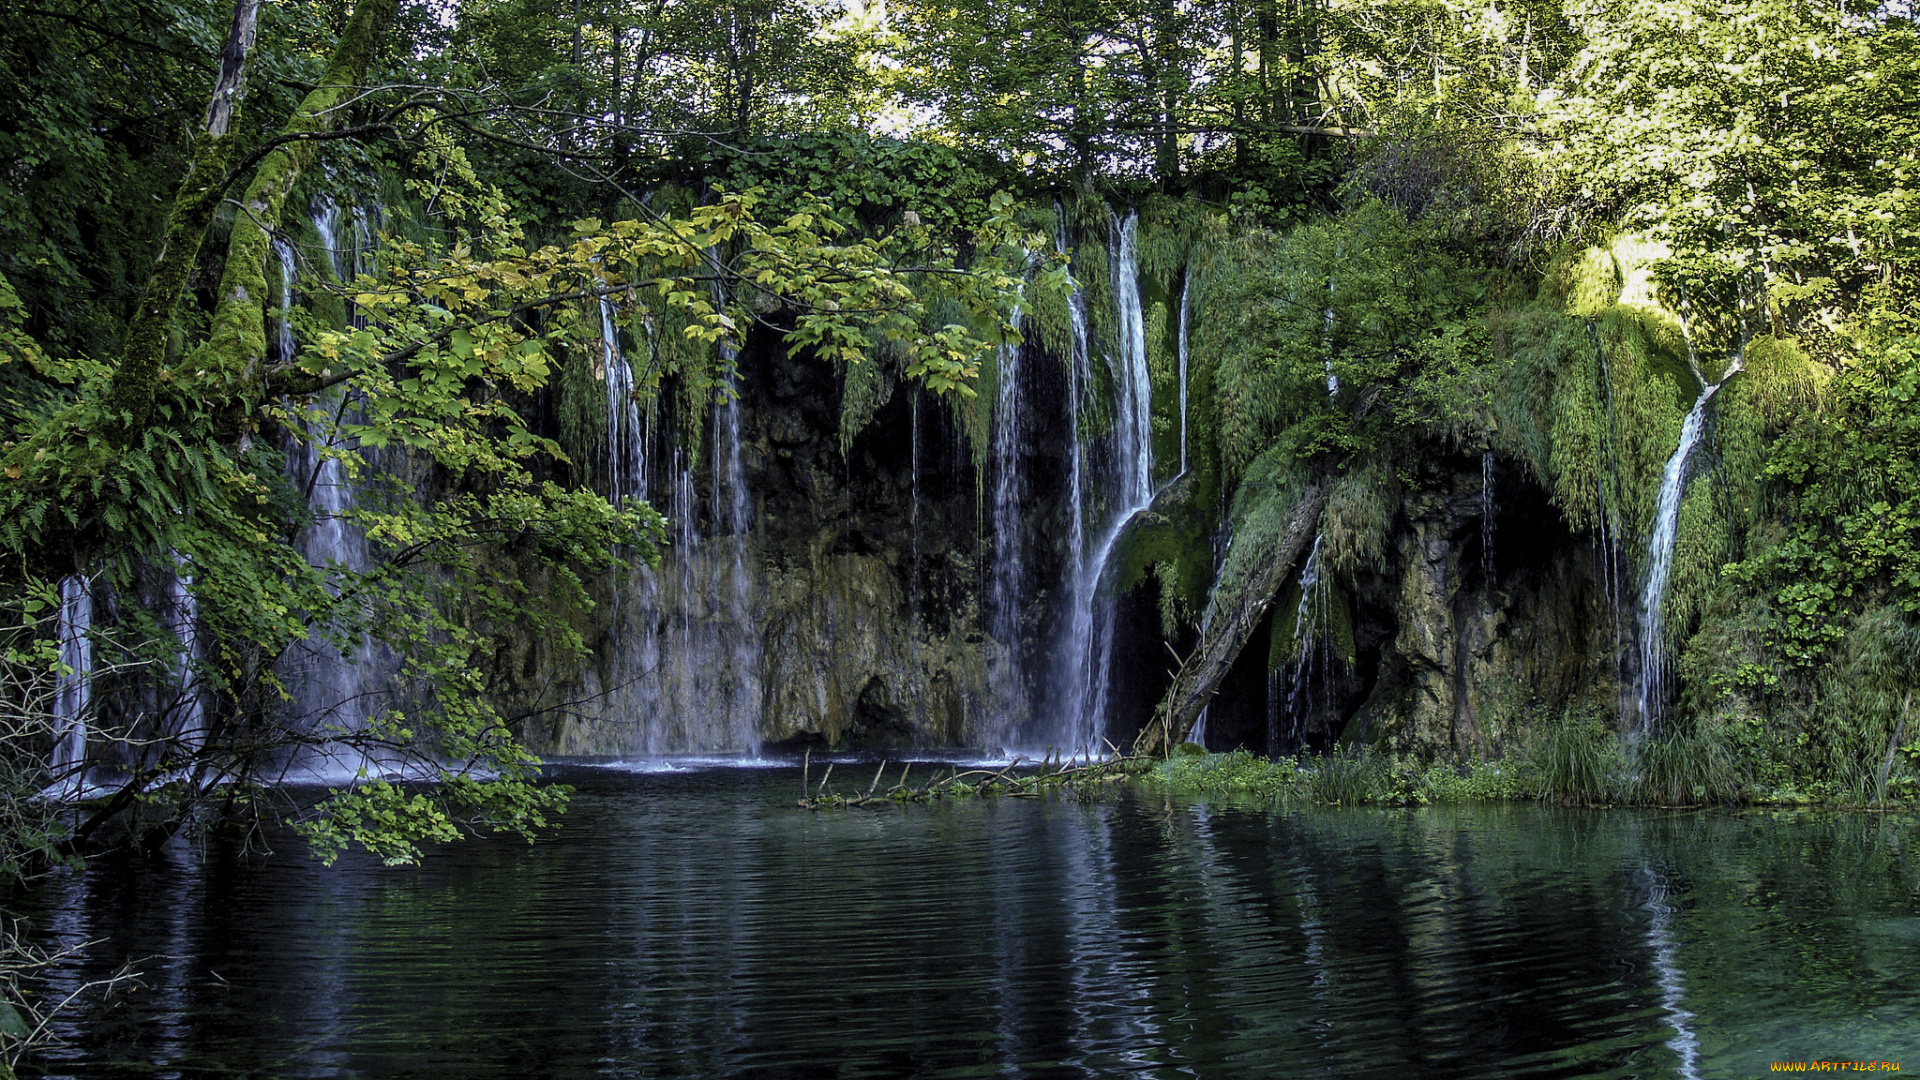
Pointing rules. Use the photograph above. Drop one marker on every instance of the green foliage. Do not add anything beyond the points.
(460, 327)
(1577, 760)
(1686, 769)
(1853, 475)
(1356, 526)
(1235, 773)
(1358, 777)
(865, 181)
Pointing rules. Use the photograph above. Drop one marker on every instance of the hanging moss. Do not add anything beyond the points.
(1049, 318)
(1263, 504)
(1581, 283)
(1330, 622)
(1163, 380)
(237, 343)
(1593, 403)
(580, 396)
(1358, 520)
(864, 387)
(1172, 543)
(1779, 385)
(1702, 545)
(1168, 230)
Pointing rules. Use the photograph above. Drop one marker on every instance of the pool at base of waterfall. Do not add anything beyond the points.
(691, 922)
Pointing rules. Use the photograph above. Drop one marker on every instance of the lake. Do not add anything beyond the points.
(688, 921)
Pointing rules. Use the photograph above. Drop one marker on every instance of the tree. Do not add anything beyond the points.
(166, 460)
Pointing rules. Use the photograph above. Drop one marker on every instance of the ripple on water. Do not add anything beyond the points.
(687, 921)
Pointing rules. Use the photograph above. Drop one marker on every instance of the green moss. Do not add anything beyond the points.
(1173, 543)
(580, 400)
(1330, 621)
(1049, 319)
(1169, 229)
(863, 390)
(1354, 778)
(237, 342)
(1359, 519)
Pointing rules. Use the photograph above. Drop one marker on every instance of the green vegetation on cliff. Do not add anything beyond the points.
(1517, 238)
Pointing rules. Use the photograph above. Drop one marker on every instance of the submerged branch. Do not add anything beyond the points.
(1054, 773)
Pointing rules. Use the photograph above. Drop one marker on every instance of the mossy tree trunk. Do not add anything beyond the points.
(234, 353)
(1234, 620)
(144, 355)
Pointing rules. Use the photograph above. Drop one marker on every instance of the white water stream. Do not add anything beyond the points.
(1088, 651)
(1651, 684)
(73, 687)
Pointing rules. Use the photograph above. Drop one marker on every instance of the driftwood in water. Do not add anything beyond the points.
(1233, 622)
(1052, 773)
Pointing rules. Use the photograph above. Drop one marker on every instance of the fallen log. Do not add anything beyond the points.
(1230, 622)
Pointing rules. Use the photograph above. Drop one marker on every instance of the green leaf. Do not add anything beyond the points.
(12, 1024)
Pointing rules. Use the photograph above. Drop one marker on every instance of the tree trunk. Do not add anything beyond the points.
(1227, 633)
(237, 345)
(194, 206)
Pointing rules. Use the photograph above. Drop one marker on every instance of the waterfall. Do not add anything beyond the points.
(1088, 650)
(687, 668)
(331, 689)
(73, 687)
(1186, 291)
(1651, 688)
(626, 461)
(1309, 626)
(1133, 386)
(913, 505)
(1078, 636)
(732, 588)
(1198, 735)
(187, 725)
(1487, 511)
(1006, 594)
(1273, 712)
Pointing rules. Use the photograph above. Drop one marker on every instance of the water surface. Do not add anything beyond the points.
(692, 923)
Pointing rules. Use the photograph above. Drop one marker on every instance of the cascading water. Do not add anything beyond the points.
(1133, 385)
(1309, 627)
(686, 674)
(1488, 510)
(738, 634)
(1186, 294)
(913, 506)
(187, 724)
(1651, 683)
(626, 454)
(328, 688)
(73, 687)
(1088, 650)
(1006, 591)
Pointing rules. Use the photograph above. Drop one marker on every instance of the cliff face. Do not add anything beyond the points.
(845, 614)
(1474, 640)
(856, 564)
(1445, 645)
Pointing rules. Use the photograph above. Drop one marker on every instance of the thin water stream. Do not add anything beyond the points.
(689, 922)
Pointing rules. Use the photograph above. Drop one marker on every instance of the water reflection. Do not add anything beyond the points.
(690, 923)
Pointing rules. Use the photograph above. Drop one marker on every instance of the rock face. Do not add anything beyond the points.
(845, 607)
(1442, 649)
(1482, 643)
(845, 615)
